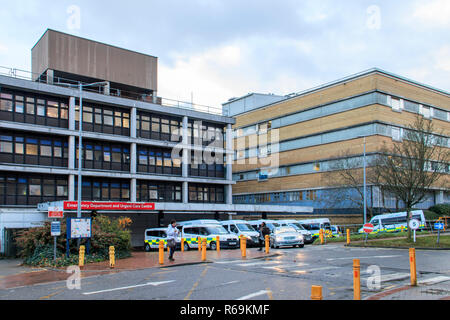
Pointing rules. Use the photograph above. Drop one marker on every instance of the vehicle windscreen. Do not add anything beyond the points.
(216, 230)
(297, 225)
(327, 226)
(245, 227)
(271, 226)
(283, 230)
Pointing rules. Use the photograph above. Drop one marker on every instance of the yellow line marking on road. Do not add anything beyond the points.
(50, 295)
(196, 284)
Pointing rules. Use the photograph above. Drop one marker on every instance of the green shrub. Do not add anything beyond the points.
(36, 244)
(441, 209)
(430, 215)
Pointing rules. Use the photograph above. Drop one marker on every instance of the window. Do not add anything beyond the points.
(396, 134)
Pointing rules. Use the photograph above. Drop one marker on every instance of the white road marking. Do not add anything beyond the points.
(249, 264)
(394, 276)
(227, 262)
(332, 259)
(231, 282)
(130, 287)
(256, 294)
(287, 266)
(434, 280)
(321, 268)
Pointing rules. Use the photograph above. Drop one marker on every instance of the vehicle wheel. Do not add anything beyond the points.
(213, 246)
(301, 245)
(186, 247)
(147, 247)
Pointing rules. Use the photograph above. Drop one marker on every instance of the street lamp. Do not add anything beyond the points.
(364, 188)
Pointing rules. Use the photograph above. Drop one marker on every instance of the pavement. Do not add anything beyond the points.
(27, 276)
(14, 275)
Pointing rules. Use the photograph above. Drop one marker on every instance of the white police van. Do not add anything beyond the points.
(192, 231)
(242, 228)
(154, 235)
(314, 226)
(395, 222)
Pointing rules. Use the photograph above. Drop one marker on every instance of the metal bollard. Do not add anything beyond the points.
(412, 264)
(204, 250)
(81, 256)
(356, 280)
(348, 236)
(112, 257)
(218, 244)
(244, 247)
(161, 252)
(182, 244)
(316, 293)
(199, 241)
(267, 242)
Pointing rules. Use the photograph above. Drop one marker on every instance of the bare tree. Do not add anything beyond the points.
(409, 168)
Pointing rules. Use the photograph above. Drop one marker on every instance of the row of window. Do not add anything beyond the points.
(159, 161)
(149, 191)
(31, 190)
(104, 119)
(152, 126)
(206, 193)
(276, 197)
(97, 189)
(28, 108)
(199, 168)
(205, 134)
(104, 156)
(25, 149)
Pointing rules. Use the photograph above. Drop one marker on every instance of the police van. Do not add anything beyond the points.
(395, 222)
(242, 228)
(314, 226)
(154, 235)
(191, 232)
(271, 224)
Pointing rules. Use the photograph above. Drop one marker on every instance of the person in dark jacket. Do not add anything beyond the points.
(263, 231)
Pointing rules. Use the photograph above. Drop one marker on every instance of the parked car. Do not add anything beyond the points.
(307, 236)
(271, 224)
(154, 235)
(191, 232)
(242, 228)
(285, 236)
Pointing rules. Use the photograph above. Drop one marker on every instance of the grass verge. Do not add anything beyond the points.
(429, 241)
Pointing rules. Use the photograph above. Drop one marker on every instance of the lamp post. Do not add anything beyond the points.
(365, 209)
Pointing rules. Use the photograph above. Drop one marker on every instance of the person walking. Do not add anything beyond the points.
(263, 231)
(172, 233)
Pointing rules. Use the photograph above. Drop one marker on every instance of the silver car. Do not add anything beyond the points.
(286, 237)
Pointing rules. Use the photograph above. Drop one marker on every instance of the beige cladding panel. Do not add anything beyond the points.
(88, 58)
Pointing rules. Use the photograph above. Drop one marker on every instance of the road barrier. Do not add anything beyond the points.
(112, 257)
(199, 241)
(348, 236)
(356, 280)
(81, 256)
(321, 236)
(204, 250)
(161, 252)
(182, 244)
(412, 264)
(316, 293)
(244, 247)
(267, 242)
(218, 244)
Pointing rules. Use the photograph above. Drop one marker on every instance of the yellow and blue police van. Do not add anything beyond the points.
(154, 235)
(395, 222)
(192, 232)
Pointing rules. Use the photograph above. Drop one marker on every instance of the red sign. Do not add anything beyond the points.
(55, 212)
(92, 205)
(368, 228)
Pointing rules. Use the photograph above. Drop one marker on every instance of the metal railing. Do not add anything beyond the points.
(136, 96)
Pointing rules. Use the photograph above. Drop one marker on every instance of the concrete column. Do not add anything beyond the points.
(133, 122)
(186, 151)
(71, 187)
(71, 152)
(229, 194)
(107, 88)
(50, 76)
(185, 192)
(229, 149)
(72, 113)
(133, 158)
(439, 196)
(133, 190)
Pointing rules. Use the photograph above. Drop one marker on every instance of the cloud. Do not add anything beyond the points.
(442, 58)
(435, 13)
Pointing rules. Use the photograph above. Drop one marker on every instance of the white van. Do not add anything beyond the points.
(154, 235)
(191, 232)
(314, 226)
(307, 236)
(199, 221)
(394, 222)
(271, 224)
(242, 228)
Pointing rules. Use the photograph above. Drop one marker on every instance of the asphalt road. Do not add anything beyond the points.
(288, 276)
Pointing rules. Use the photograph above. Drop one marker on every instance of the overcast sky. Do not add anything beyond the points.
(220, 49)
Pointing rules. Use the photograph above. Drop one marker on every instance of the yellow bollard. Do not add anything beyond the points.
(81, 256)
(204, 250)
(356, 280)
(218, 244)
(348, 236)
(316, 293)
(161, 252)
(112, 257)
(321, 236)
(267, 240)
(182, 244)
(199, 241)
(412, 264)
(244, 247)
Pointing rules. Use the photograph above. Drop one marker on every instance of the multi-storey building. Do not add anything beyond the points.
(136, 146)
(287, 146)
